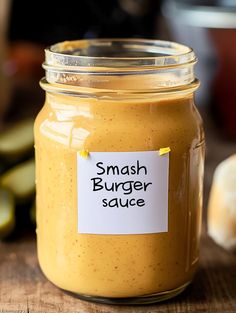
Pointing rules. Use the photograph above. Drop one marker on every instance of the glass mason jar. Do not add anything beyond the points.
(119, 166)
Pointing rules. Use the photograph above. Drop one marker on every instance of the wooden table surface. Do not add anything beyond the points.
(24, 289)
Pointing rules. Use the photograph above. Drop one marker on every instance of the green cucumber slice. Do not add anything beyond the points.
(17, 140)
(20, 180)
(7, 213)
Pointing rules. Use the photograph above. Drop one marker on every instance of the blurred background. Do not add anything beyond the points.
(209, 27)
(27, 27)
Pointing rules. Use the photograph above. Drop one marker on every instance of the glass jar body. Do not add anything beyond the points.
(130, 268)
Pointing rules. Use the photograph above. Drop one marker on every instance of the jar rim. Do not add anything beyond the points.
(99, 54)
(119, 66)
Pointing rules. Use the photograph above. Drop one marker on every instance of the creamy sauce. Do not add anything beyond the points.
(117, 265)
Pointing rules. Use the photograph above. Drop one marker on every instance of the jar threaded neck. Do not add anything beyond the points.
(132, 65)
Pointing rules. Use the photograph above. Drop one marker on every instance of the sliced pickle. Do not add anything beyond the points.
(20, 180)
(3, 167)
(7, 213)
(17, 141)
(33, 213)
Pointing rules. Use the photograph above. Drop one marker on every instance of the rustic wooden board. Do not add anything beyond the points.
(24, 289)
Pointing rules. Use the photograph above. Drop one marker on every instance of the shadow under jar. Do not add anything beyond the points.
(119, 165)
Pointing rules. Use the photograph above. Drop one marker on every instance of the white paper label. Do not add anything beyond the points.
(123, 192)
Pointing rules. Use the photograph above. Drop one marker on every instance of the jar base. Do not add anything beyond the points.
(139, 300)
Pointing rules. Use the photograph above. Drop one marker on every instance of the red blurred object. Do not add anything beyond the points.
(224, 83)
(25, 60)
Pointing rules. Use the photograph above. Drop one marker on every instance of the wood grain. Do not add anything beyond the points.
(24, 289)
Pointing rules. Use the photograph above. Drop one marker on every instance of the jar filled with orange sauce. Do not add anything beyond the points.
(119, 169)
